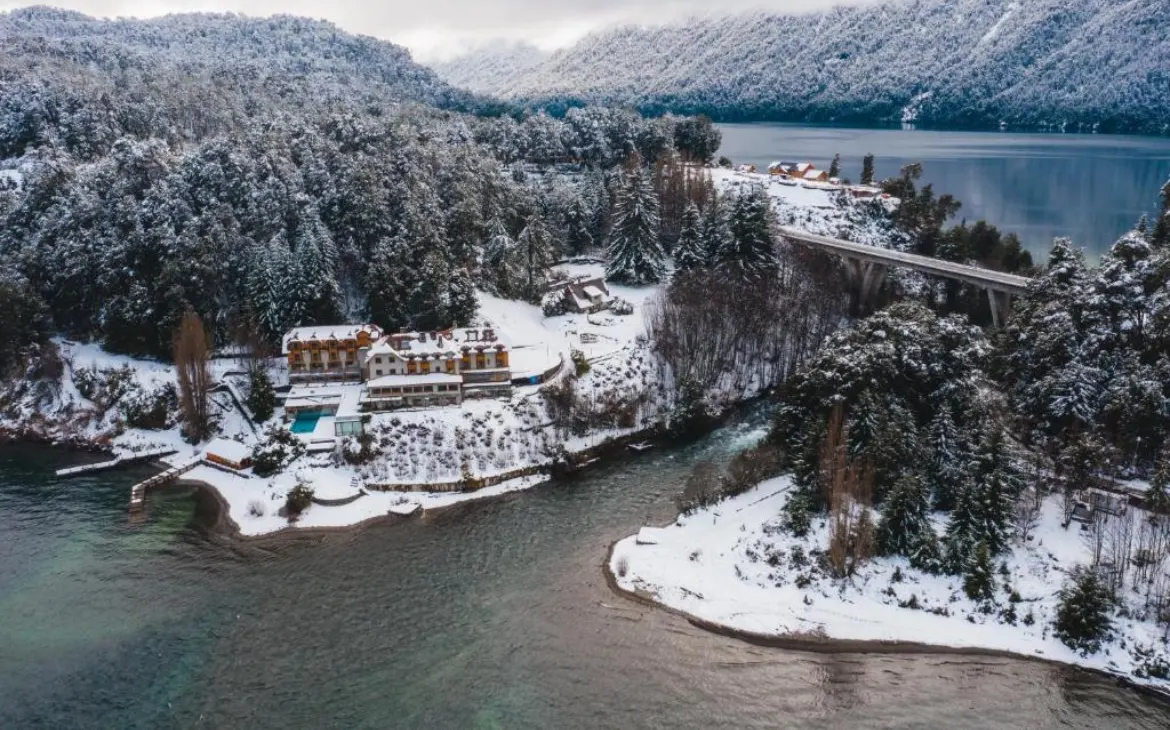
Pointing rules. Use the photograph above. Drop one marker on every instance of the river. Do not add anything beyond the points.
(1088, 187)
(491, 615)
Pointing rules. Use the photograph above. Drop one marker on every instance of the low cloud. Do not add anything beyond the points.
(437, 29)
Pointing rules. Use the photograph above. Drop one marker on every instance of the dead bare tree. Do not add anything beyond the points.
(736, 338)
(848, 486)
(192, 355)
(1119, 529)
(1027, 512)
(1094, 533)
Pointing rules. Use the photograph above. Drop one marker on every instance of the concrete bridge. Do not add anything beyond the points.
(866, 267)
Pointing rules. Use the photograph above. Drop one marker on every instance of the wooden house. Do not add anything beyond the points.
(231, 454)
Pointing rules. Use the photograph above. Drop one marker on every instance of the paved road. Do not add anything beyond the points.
(986, 278)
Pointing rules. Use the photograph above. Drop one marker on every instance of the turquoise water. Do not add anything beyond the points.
(1090, 188)
(490, 615)
(305, 422)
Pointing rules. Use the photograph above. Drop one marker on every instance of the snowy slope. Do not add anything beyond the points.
(1039, 62)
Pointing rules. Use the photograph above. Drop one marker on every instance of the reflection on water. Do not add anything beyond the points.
(494, 615)
(1091, 188)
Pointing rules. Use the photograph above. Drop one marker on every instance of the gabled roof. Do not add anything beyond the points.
(229, 450)
(324, 333)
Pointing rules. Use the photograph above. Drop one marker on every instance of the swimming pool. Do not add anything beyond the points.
(306, 422)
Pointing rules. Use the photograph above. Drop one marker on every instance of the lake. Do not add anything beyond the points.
(490, 615)
(1090, 188)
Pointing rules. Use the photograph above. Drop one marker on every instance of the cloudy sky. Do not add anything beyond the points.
(438, 29)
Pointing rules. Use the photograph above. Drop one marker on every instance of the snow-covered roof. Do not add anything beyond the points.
(813, 174)
(228, 450)
(593, 292)
(804, 166)
(326, 332)
(396, 381)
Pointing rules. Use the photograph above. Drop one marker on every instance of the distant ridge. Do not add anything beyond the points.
(1074, 64)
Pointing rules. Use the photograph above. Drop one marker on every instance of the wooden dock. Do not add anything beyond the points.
(138, 491)
(121, 460)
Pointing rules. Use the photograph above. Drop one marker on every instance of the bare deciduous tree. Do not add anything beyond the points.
(735, 338)
(849, 487)
(193, 366)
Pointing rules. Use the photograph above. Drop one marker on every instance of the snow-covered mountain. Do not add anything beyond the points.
(955, 62)
(192, 75)
(491, 67)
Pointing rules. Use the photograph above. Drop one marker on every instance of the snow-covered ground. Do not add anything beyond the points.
(822, 209)
(412, 448)
(731, 564)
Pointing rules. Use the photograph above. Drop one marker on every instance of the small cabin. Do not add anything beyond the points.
(815, 175)
(229, 453)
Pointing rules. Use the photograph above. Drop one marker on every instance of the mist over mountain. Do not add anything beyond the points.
(1052, 63)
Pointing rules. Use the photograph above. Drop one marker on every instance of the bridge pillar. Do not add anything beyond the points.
(865, 281)
(1001, 307)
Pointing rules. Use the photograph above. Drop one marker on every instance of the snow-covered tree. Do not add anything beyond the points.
(1083, 615)
(751, 250)
(634, 255)
(904, 517)
(689, 253)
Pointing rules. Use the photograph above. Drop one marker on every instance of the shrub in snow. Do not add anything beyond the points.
(256, 508)
(689, 419)
(703, 488)
(155, 409)
(1082, 621)
(298, 499)
(279, 449)
(620, 307)
(360, 449)
(749, 468)
(554, 304)
(261, 395)
(623, 566)
(580, 364)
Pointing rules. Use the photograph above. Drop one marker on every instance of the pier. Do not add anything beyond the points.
(118, 461)
(138, 491)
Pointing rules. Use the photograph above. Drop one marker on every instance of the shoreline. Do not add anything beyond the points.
(223, 526)
(817, 644)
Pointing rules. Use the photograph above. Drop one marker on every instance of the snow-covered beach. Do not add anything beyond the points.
(733, 569)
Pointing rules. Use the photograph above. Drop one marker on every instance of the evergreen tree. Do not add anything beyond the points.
(867, 170)
(689, 418)
(979, 577)
(904, 517)
(835, 166)
(962, 536)
(461, 298)
(261, 395)
(386, 286)
(716, 234)
(925, 552)
(1083, 619)
(634, 255)
(688, 252)
(578, 228)
(750, 251)
(999, 485)
(500, 260)
(534, 249)
(1160, 237)
(948, 458)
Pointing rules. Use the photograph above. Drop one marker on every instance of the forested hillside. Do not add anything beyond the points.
(272, 173)
(953, 62)
(490, 66)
